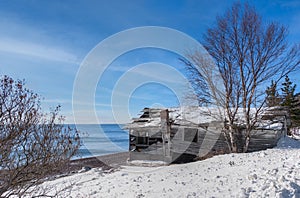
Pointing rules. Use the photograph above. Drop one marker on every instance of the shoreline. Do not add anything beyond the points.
(106, 162)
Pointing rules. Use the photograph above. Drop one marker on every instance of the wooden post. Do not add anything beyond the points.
(285, 126)
(165, 131)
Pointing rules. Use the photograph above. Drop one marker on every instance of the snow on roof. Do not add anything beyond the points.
(194, 115)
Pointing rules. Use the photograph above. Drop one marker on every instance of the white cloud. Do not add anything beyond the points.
(118, 68)
(57, 101)
(29, 48)
(290, 3)
(20, 38)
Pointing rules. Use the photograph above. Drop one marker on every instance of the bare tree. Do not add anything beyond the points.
(248, 54)
(33, 145)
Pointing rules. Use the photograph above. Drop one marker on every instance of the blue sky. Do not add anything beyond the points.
(45, 42)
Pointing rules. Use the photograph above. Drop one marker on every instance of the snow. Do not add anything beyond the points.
(296, 133)
(195, 115)
(288, 142)
(269, 173)
(147, 163)
(153, 122)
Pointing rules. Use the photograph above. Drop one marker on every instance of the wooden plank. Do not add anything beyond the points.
(146, 132)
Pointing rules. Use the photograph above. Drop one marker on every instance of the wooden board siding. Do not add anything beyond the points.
(264, 139)
(214, 142)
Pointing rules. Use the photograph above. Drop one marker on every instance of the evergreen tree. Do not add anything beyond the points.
(272, 98)
(295, 111)
(291, 102)
(288, 90)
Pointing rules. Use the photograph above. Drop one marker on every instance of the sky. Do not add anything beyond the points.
(47, 42)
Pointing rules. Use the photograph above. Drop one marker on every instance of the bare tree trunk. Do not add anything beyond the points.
(247, 141)
(232, 141)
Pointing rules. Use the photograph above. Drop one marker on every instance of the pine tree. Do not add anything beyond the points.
(295, 111)
(272, 98)
(288, 92)
(291, 102)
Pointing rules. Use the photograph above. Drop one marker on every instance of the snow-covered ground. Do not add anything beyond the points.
(270, 173)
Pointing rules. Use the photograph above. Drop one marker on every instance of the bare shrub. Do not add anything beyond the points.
(33, 145)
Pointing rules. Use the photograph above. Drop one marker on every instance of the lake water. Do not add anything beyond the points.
(102, 139)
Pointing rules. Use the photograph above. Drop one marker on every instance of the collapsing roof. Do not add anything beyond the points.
(194, 116)
(176, 134)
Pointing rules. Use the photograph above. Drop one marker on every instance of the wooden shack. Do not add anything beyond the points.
(165, 135)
